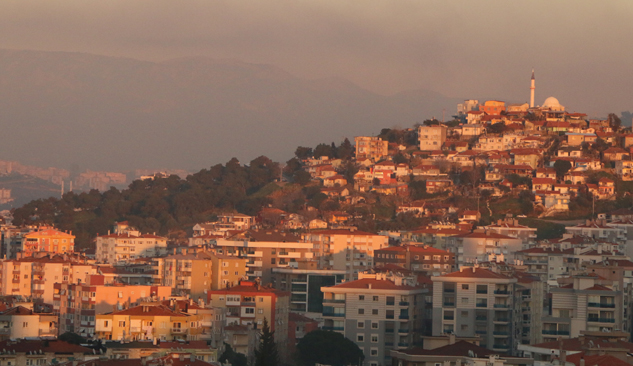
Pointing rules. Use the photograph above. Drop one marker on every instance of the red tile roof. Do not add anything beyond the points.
(367, 283)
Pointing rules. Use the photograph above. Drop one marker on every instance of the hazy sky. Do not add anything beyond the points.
(581, 50)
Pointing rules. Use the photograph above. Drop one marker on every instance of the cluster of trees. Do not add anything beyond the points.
(162, 205)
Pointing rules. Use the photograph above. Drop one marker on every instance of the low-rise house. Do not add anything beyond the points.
(615, 154)
(543, 184)
(438, 185)
(606, 188)
(456, 353)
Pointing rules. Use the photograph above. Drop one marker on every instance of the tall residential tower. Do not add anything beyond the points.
(532, 91)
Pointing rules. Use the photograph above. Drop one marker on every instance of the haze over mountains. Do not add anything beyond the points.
(61, 109)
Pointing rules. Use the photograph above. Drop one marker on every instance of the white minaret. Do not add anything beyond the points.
(532, 91)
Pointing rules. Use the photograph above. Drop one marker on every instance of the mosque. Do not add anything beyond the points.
(551, 109)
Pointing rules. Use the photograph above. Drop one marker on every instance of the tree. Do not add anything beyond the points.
(431, 122)
(266, 354)
(614, 121)
(73, 338)
(561, 167)
(232, 357)
(345, 150)
(303, 152)
(301, 177)
(328, 348)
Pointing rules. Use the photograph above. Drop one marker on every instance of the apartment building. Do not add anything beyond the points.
(373, 148)
(35, 277)
(431, 137)
(227, 270)
(188, 274)
(262, 256)
(31, 352)
(148, 322)
(417, 258)
(78, 304)
(251, 303)
(584, 302)
(47, 240)
(304, 286)
(478, 302)
(512, 228)
(481, 246)
(379, 312)
(350, 250)
(14, 239)
(600, 230)
(20, 322)
(126, 246)
(545, 262)
(532, 291)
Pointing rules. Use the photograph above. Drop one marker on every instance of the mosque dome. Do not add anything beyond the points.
(551, 103)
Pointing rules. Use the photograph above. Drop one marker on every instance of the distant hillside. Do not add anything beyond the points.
(25, 189)
(107, 113)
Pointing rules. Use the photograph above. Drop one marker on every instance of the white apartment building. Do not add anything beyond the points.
(431, 137)
(378, 312)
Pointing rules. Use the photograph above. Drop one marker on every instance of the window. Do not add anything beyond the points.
(464, 327)
(360, 338)
(374, 338)
(464, 314)
(250, 310)
(375, 298)
(361, 311)
(464, 301)
(374, 325)
(464, 287)
(374, 311)
(374, 352)
(260, 311)
(25, 324)
(360, 325)
(361, 297)
(121, 323)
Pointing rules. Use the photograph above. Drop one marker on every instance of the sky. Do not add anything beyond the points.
(580, 50)
(471, 49)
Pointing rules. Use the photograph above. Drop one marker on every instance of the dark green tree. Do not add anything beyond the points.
(73, 338)
(232, 357)
(561, 167)
(614, 121)
(345, 150)
(328, 348)
(303, 152)
(266, 354)
(301, 177)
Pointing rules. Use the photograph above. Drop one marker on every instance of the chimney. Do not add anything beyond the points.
(451, 339)
(181, 356)
(192, 357)
(582, 361)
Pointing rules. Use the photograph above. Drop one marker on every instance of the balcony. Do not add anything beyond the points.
(403, 344)
(5, 330)
(501, 333)
(403, 317)
(501, 320)
(555, 332)
(502, 306)
(481, 318)
(135, 330)
(482, 305)
(449, 290)
(338, 315)
(389, 330)
(449, 303)
(403, 331)
(334, 301)
(449, 317)
(600, 305)
(482, 292)
(403, 303)
(481, 332)
(502, 292)
(178, 330)
(601, 320)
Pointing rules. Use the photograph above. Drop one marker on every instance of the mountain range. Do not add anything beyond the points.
(66, 109)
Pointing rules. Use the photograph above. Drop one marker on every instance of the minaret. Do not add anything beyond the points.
(532, 91)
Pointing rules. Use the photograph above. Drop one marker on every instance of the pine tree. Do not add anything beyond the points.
(266, 354)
